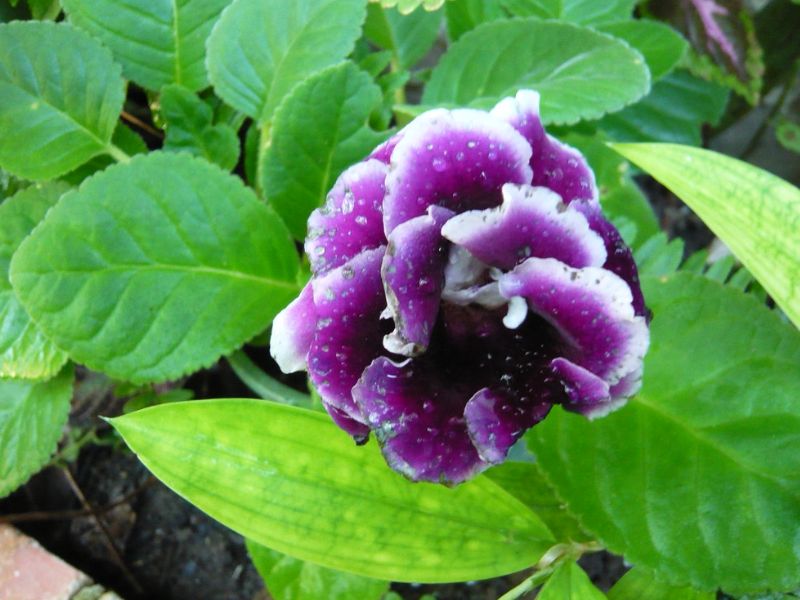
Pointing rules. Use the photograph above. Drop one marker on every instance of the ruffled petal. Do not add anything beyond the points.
(413, 277)
(555, 164)
(357, 429)
(418, 419)
(349, 301)
(384, 151)
(293, 331)
(531, 221)
(351, 220)
(586, 391)
(457, 159)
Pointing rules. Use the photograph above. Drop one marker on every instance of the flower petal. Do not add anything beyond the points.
(351, 220)
(531, 221)
(418, 419)
(413, 277)
(586, 391)
(348, 300)
(293, 331)
(384, 151)
(357, 429)
(457, 159)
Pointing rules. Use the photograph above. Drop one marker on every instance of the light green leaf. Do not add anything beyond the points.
(640, 583)
(156, 42)
(190, 128)
(319, 130)
(409, 37)
(60, 97)
(260, 50)
(704, 459)
(304, 489)
(754, 212)
(408, 6)
(24, 351)
(465, 15)
(661, 46)
(155, 268)
(288, 578)
(124, 138)
(32, 417)
(585, 12)
(569, 582)
(580, 73)
(659, 256)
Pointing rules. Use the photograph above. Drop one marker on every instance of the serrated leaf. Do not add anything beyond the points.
(661, 46)
(288, 578)
(408, 6)
(156, 43)
(580, 73)
(659, 256)
(409, 37)
(60, 97)
(730, 196)
(32, 417)
(704, 458)
(124, 138)
(464, 15)
(304, 489)
(319, 130)
(24, 350)
(640, 583)
(154, 268)
(569, 582)
(190, 128)
(260, 50)
(585, 12)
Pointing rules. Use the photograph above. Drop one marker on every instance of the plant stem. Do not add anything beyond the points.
(117, 154)
(264, 385)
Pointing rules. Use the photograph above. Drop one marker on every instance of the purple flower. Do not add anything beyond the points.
(464, 281)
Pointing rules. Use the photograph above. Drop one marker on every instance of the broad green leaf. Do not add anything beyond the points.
(190, 128)
(124, 138)
(45, 9)
(319, 130)
(32, 419)
(674, 111)
(580, 73)
(155, 42)
(659, 256)
(569, 582)
(704, 459)
(288, 578)
(260, 50)
(409, 37)
(464, 15)
(585, 12)
(640, 583)
(155, 268)
(60, 97)
(408, 6)
(304, 489)
(24, 351)
(732, 197)
(661, 46)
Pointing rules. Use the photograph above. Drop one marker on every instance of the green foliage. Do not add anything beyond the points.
(406, 7)
(260, 50)
(465, 15)
(60, 96)
(661, 46)
(187, 268)
(409, 37)
(304, 489)
(640, 583)
(264, 385)
(672, 481)
(569, 582)
(584, 12)
(580, 73)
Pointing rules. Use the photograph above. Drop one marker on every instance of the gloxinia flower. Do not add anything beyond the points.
(464, 282)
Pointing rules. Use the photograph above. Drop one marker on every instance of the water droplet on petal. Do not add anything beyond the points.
(439, 164)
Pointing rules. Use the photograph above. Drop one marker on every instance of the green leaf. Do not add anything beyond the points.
(580, 73)
(640, 583)
(788, 134)
(319, 130)
(464, 15)
(659, 256)
(661, 46)
(60, 97)
(304, 489)
(260, 50)
(704, 459)
(155, 268)
(156, 42)
(569, 582)
(24, 351)
(674, 111)
(408, 6)
(585, 12)
(32, 417)
(288, 578)
(730, 196)
(190, 128)
(124, 138)
(409, 37)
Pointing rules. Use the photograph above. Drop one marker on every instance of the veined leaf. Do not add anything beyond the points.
(408, 6)
(640, 583)
(569, 582)
(464, 15)
(409, 37)
(580, 73)
(585, 12)
(60, 97)
(155, 268)
(661, 46)
(304, 489)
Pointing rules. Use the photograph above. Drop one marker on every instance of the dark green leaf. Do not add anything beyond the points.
(661, 46)
(124, 138)
(639, 583)
(409, 37)
(465, 15)
(585, 12)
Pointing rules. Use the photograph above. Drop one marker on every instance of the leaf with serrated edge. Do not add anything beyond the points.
(640, 583)
(731, 196)
(704, 458)
(409, 37)
(584, 12)
(303, 488)
(569, 582)
(24, 350)
(661, 46)
(580, 73)
(156, 267)
(259, 51)
(60, 98)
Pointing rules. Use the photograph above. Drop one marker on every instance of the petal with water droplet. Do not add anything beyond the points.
(292, 332)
